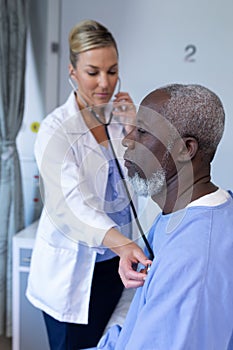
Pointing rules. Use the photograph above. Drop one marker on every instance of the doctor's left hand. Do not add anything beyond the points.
(125, 110)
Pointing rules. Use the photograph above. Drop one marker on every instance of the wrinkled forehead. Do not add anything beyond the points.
(155, 123)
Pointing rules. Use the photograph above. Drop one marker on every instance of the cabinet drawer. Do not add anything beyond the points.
(25, 257)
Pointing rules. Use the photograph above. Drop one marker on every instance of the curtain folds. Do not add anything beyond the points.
(13, 28)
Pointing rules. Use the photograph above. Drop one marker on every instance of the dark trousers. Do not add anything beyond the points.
(105, 293)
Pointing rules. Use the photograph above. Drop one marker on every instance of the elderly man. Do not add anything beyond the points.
(186, 302)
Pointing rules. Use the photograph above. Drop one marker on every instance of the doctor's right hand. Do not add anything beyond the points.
(130, 256)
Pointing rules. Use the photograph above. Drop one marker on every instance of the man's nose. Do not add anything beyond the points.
(129, 140)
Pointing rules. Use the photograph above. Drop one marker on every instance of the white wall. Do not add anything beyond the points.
(152, 36)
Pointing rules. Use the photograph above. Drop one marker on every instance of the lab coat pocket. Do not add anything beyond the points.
(51, 280)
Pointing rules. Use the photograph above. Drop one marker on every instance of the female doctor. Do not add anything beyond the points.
(86, 223)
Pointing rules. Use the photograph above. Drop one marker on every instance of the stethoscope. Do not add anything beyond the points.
(106, 124)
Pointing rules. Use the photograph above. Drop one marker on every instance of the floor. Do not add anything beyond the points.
(5, 343)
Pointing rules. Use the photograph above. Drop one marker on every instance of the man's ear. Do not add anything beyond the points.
(187, 150)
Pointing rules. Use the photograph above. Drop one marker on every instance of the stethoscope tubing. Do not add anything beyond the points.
(150, 251)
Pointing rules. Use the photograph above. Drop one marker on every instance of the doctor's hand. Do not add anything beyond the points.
(125, 110)
(130, 256)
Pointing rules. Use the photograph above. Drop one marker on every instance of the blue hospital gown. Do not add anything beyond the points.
(186, 302)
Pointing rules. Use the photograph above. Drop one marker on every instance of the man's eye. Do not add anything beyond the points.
(141, 131)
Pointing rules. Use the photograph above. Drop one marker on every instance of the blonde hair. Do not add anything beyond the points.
(87, 35)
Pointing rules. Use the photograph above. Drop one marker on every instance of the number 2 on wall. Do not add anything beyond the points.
(191, 51)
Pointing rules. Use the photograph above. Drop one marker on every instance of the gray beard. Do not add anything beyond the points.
(149, 187)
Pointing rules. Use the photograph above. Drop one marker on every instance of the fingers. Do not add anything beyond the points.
(131, 255)
(133, 279)
(130, 277)
(123, 102)
(123, 96)
(141, 257)
(124, 110)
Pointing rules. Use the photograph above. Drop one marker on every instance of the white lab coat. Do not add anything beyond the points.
(73, 223)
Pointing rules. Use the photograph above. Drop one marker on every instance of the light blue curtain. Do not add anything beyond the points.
(13, 26)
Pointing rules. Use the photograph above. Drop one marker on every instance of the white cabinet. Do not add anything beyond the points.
(29, 332)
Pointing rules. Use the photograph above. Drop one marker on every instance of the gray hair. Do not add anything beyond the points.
(195, 111)
(87, 35)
